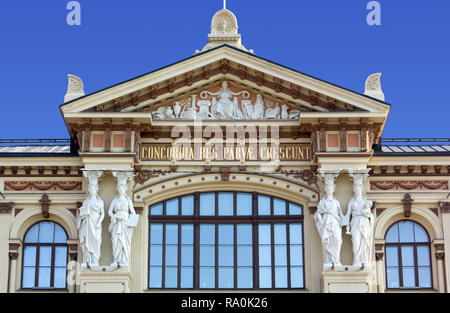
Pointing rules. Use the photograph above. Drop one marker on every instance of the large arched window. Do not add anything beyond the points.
(408, 260)
(44, 257)
(226, 240)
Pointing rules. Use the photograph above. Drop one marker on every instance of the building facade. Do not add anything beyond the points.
(225, 171)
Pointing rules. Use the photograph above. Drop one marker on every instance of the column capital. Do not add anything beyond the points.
(439, 255)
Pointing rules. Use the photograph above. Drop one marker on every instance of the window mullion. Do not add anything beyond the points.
(179, 254)
(400, 265)
(288, 254)
(36, 279)
(52, 267)
(272, 244)
(163, 270)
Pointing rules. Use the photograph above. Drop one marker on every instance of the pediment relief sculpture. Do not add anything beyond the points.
(226, 103)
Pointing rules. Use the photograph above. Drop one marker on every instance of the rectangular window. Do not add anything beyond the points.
(226, 240)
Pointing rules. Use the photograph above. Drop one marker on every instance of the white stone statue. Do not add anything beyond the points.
(89, 221)
(123, 220)
(258, 110)
(273, 112)
(329, 218)
(225, 107)
(361, 223)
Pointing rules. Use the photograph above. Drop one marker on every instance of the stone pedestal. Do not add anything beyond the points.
(105, 279)
(349, 279)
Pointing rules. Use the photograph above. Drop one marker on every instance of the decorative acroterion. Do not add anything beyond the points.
(75, 88)
(373, 87)
(224, 30)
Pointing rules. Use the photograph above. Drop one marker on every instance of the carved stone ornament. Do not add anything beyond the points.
(225, 103)
(89, 221)
(6, 207)
(407, 202)
(43, 185)
(75, 88)
(409, 185)
(445, 207)
(45, 205)
(123, 220)
(373, 87)
(328, 219)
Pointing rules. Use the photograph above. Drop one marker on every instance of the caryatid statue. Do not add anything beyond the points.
(89, 221)
(361, 223)
(123, 220)
(329, 221)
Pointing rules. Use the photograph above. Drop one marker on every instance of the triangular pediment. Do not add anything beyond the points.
(284, 91)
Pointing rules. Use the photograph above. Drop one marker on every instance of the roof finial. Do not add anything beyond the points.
(224, 4)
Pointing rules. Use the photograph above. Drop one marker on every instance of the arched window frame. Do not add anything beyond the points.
(38, 246)
(399, 256)
(235, 219)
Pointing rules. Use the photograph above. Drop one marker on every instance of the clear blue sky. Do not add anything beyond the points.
(328, 39)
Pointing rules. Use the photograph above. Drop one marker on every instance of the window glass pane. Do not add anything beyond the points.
(171, 234)
(424, 277)
(207, 256)
(207, 204)
(187, 234)
(423, 256)
(295, 209)
(226, 277)
(60, 235)
(279, 207)
(280, 255)
(393, 280)
(171, 255)
(244, 234)
(420, 234)
(280, 277)
(245, 278)
(407, 256)
(171, 277)
(45, 256)
(156, 209)
(226, 256)
(207, 278)
(155, 277)
(172, 207)
(187, 205)
(244, 204)
(61, 256)
(156, 231)
(297, 277)
(156, 255)
(264, 234)
(409, 279)
(265, 277)
(187, 277)
(226, 235)
(279, 233)
(32, 235)
(187, 255)
(296, 253)
(207, 234)
(244, 256)
(29, 256)
(295, 233)
(406, 232)
(392, 234)
(60, 277)
(265, 256)
(392, 256)
(44, 277)
(263, 205)
(28, 277)
(46, 230)
(226, 203)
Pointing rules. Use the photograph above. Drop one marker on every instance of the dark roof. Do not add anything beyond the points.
(234, 48)
(405, 147)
